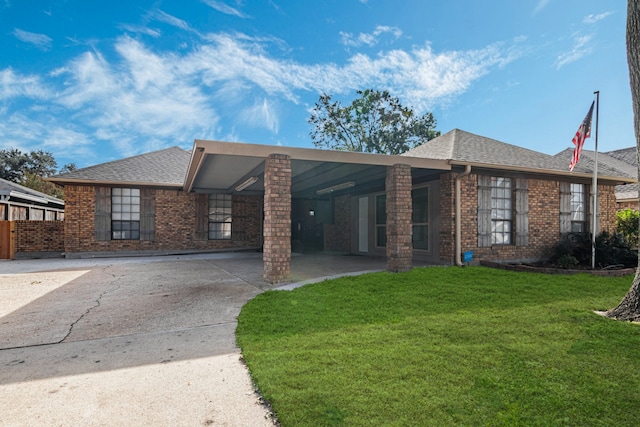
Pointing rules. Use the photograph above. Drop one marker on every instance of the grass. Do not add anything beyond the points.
(445, 346)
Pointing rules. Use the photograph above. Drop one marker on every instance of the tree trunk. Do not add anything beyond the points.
(629, 308)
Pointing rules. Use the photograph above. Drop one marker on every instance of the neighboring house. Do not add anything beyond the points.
(22, 203)
(457, 193)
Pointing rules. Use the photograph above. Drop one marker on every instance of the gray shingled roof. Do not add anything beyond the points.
(15, 190)
(627, 191)
(163, 167)
(461, 146)
(627, 155)
(607, 165)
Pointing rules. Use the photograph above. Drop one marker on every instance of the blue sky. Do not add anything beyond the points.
(94, 81)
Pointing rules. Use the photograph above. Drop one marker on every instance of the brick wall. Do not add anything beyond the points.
(544, 219)
(175, 223)
(277, 218)
(608, 207)
(447, 229)
(628, 204)
(337, 236)
(38, 238)
(399, 229)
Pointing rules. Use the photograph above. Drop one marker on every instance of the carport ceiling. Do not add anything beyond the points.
(218, 167)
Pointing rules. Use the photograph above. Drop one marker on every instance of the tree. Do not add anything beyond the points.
(28, 169)
(376, 122)
(12, 165)
(629, 307)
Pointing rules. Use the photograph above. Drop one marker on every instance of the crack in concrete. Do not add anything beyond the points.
(90, 309)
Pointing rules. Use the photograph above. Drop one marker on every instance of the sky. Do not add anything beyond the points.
(95, 81)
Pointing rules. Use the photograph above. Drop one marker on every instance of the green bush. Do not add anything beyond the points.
(567, 261)
(611, 250)
(627, 221)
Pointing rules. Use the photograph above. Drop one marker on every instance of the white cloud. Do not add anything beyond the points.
(139, 29)
(143, 98)
(369, 39)
(224, 8)
(420, 75)
(41, 41)
(13, 85)
(170, 19)
(592, 19)
(579, 50)
(262, 114)
(26, 133)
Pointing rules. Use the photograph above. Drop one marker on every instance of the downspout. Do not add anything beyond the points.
(458, 214)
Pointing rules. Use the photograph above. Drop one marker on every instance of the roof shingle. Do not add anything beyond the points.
(163, 167)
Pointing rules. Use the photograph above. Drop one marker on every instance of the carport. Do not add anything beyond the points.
(299, 183)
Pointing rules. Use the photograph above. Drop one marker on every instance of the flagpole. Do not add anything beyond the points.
(595, 187)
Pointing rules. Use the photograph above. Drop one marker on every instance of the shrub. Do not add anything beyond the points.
(567, 261)
(611, 250)
(627, 221)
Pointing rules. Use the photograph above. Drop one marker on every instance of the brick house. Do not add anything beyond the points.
(456, 193)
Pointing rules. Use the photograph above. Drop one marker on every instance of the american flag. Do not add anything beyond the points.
(584, 132)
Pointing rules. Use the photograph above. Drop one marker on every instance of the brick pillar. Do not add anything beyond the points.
(399, 229)
(277, 218)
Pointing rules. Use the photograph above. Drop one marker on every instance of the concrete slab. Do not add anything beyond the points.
(135, 341)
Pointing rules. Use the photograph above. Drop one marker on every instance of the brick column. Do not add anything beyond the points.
(277, 218)
(399, 229)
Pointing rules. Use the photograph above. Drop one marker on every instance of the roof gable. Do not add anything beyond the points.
(166, 167)
(465, 147)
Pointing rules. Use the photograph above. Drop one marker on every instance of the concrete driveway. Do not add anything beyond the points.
(135, 341)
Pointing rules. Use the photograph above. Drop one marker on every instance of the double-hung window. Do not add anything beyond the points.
(125, 214)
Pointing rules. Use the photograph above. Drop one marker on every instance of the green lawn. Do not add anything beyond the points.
(445, 346)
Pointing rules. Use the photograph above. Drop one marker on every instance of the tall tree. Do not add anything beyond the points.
(12, 164)
(629, 307)
(375, 122)
(15, 165)
(28, 169)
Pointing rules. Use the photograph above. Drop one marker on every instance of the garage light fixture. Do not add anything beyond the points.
(336, 187)
(249, 181)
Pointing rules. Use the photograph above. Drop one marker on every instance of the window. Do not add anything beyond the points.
(381, 220)
(219, 217)
(420, 218)
(501, 211)
(125, 214)
(578, 214)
